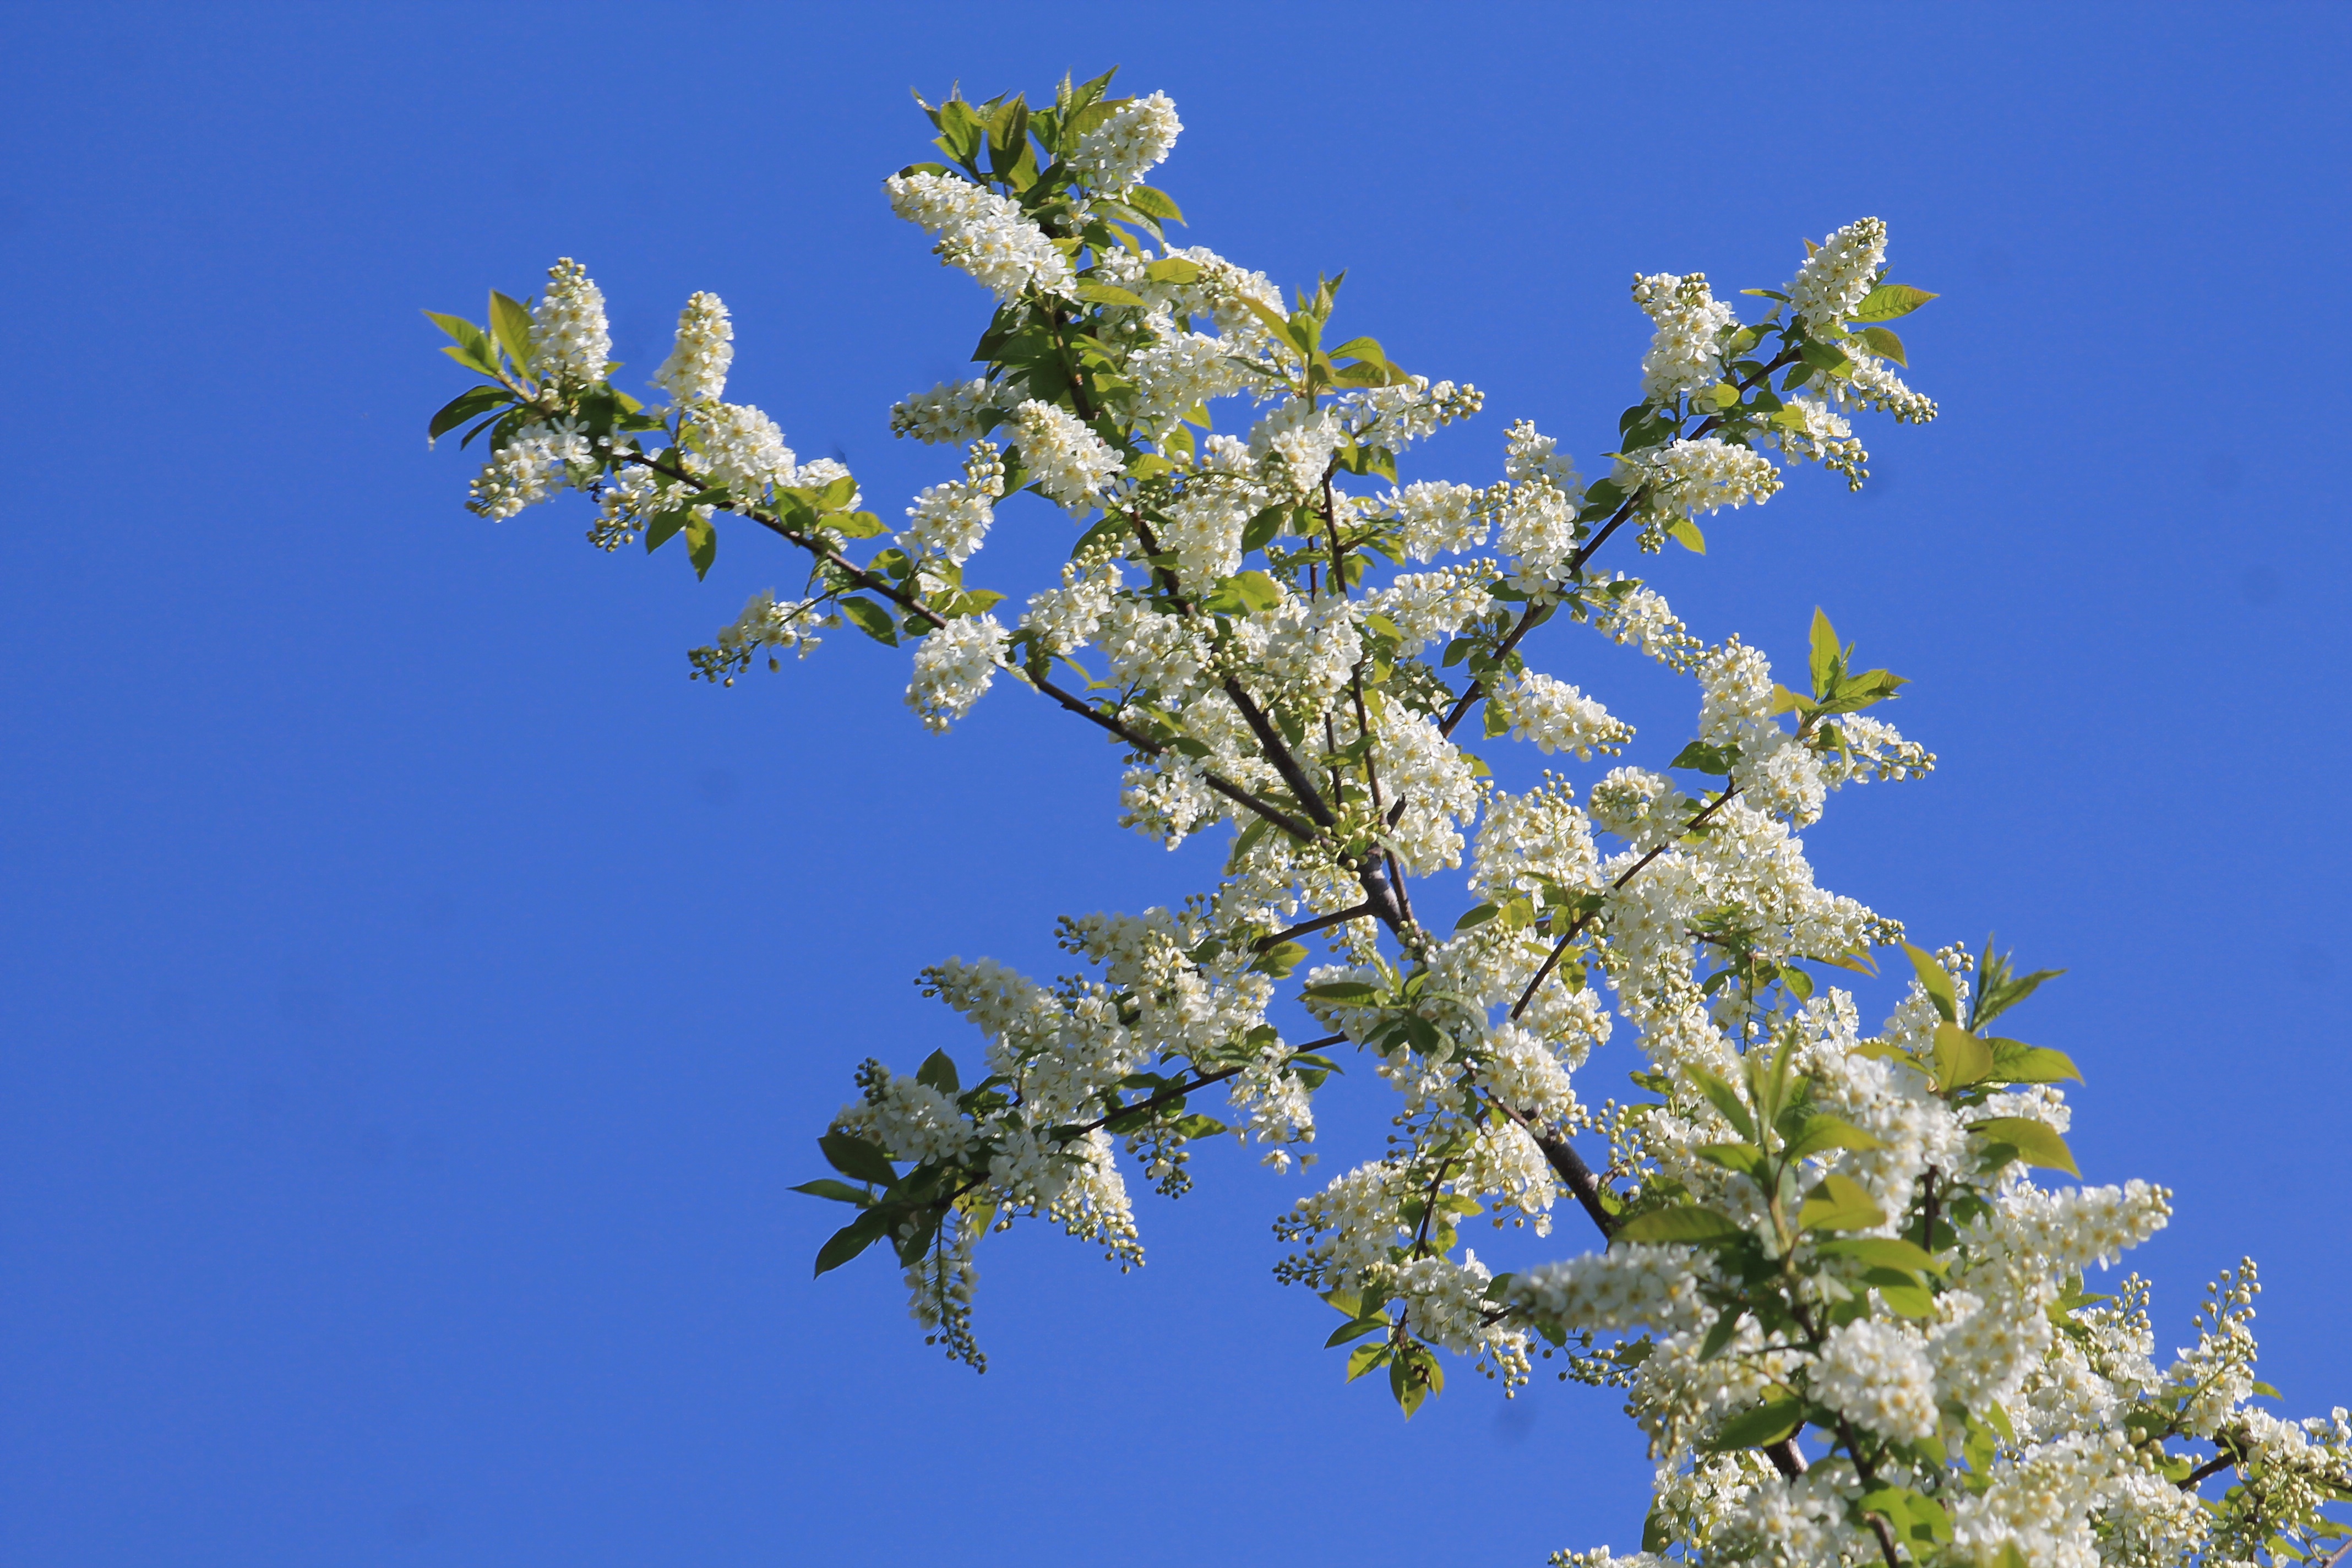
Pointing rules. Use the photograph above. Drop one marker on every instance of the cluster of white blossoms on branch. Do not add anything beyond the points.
(1823, 1266)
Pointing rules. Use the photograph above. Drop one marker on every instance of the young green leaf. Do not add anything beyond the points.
(1936, 982)
(856, 1159)
(852, 1239)
(2036, 1142)
(1839, 1202)
(1889, 300)
(1766, 1423)
(1959, 1059)
(939, 1071)
(1686, 1222)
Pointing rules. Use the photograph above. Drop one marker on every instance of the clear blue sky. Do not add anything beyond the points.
(415, 998)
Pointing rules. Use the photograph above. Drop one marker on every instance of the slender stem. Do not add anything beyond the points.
(1635, 869)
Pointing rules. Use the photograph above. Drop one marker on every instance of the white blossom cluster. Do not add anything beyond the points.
(982, 233)
(571, 342)
(1128, 142)
(701, 355)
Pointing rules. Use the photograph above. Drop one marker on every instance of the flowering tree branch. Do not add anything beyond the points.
(1807, 1226)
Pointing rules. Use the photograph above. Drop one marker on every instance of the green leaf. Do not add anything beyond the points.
(701, 544)
(839, 1192)
(1280, 960)
(1886, 345)
(1826, 661)
(1883, 1252)
(1959, 1059)
(1356, 1329)
(473, 348)
(1355, 991)
(2009, 1556)
(1726, 1099)
(1904, 1296)
(1154, 203)
(1108, 294)
(2019, 1064)
(2036, 1142)
(1414, 1376)
(1889, 300)
(1821, 1133)
(852, 1239)
(855, 1158)
(512, 322)
(1686, 1222)
(1172, 269)
(1934, 981)
(1719, 1333)
(939, 1071)
(1766, 1423)
(474, 400)
(1685, 532)
(1700, 757)
(1366, 1358)
(1839, 1202)
(872, 619)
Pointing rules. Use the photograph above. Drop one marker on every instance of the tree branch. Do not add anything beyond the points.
(1585, 919)
(1307, 928)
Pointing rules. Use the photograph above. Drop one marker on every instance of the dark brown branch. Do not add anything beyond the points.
(2206, 1471)
(1635, 869)
(1179, 1090)
(1320, 922)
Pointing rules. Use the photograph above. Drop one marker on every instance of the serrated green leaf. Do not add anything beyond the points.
(1889, 300)
(1883, 1252)
(1353, 992)
(1839, 1202)
(839, 1192)
(512, 322)
(2036, 1142)
(1685, 532)
(1726, 1099)
(1356, 1329)
(701, 544)
(1766, 1423)
(2013, 1061)
(1820, 1132)
(1366, 1358)
(1934, 981)
(1686, 1223)
(939, 1071)
(852, 1239)
(855, 1158)
(872, 619)
(1154, 203)
(1885, 344)
(1958, 1058)
(1280, 959)
(1825, 658)
(1108, 294)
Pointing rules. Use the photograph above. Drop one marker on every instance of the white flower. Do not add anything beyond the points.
(952, 411)
(741, 448)
(984, 234)
(1439, 518)
(951, 519)
(1877, 1373)
(953, 668)
(1835, 277)
(1684, 356)
(769, 622)
(1065, 459)
(569, 340)
(696, 370)
(1118, 148)
(1558, 716)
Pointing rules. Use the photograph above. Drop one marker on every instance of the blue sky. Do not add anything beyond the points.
(415, 998)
